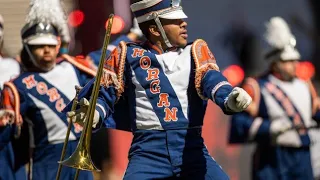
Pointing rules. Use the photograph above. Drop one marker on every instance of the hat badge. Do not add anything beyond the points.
(175, 3)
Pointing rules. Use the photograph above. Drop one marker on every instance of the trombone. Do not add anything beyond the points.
(81, 158)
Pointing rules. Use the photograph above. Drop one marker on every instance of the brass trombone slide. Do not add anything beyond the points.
(63, 153)
(81, 159)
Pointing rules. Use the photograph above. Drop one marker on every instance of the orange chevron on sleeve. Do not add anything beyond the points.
(112, 63)
(202, 54)
(11, 101)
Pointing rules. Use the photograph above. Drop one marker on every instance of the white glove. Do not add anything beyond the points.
(279, 126)
(6, 117)
(238, 100)
(135, 28)
(79, 116)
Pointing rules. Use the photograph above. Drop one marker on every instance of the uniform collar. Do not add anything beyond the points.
(155, 49)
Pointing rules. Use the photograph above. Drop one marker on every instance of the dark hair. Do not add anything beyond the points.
(144, 26)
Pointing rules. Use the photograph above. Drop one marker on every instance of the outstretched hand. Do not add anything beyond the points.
(238, 100)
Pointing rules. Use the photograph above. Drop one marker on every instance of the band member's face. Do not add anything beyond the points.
(176, 31)
(287, 69)
(45, 56)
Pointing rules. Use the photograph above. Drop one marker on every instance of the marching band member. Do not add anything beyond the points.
(9, 69)
(283, 110)
(38, 95)
(159, 91)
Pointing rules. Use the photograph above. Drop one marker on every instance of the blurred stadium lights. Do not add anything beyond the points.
(305, 70)
(90, 27)
(234, 74)
(122, 9)
(118, 25)
(76, 18)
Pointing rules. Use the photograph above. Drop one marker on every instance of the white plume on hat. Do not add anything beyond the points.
(49, 11)
(278, 33)
(279, 36)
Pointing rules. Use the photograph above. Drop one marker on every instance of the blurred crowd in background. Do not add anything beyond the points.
(233, 31)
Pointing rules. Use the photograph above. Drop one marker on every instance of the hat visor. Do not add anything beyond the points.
(178, 14)
(43, 40)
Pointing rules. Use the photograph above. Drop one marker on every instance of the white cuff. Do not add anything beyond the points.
(102, 109)
(215, 89)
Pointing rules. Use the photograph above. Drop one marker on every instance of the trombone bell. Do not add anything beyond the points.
(80, 159)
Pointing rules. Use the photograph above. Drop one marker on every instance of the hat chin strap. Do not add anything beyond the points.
(163, 34)
(33, 60)
(1, 37)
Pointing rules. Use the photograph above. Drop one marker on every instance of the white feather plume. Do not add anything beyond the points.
(49, 11)
(278, 33)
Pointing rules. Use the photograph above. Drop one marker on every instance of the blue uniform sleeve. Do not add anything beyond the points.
(217, 88)
(245, 128)
(105, 102)
(251, 125)
(5, 136)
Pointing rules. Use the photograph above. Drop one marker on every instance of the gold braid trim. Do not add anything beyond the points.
(122, 58)
(110, 78)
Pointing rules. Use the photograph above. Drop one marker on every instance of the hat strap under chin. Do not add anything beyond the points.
(32, 58)
(163, 34)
